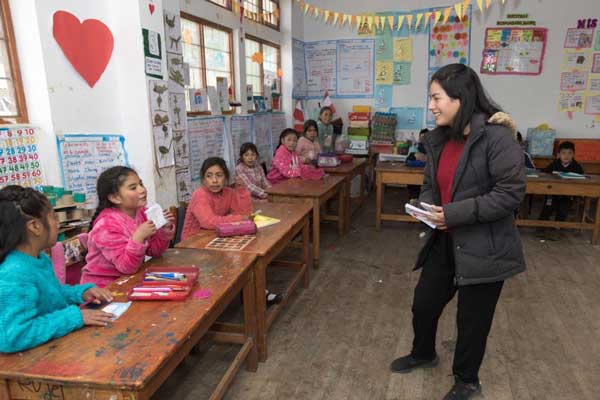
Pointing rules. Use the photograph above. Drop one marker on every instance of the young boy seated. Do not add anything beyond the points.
(565, 162)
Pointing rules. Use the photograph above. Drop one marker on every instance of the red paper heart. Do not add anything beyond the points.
(151, 7)
(88, 45)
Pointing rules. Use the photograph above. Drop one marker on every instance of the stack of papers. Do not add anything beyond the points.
(571, 175)
(419, 214)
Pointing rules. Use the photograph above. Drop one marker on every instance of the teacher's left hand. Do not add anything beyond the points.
(438, 217)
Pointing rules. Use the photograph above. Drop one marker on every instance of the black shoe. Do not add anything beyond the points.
(406, 364)
(463, 391)
(273, 298)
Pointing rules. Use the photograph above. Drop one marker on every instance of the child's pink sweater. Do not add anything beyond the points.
(307, 149)
(207, 209)
(112, 252)
(286, 165)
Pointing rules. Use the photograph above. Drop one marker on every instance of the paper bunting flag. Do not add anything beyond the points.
(359, 21)
(306, 8)
(437, 17)
(391, 22)
(458, 9)
(465, 8)
(427, 18)
(326, 12)
(419, 17)
(409, 19)
(376, 19)
(480, 5)
(487, 3)
(370, 22)
(353, 20)
(447, 12)
(400, 21)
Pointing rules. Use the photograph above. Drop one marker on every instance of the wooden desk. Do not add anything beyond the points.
(549, 184)
(349, 170)
(394, 173)
(317, 193)
(590, 167)
(132, 357)
(269, 243)
(546, 184)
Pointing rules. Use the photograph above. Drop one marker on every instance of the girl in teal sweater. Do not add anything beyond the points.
(34, 306)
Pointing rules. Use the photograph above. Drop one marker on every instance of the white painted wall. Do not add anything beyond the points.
(531, 100)
(60, 101)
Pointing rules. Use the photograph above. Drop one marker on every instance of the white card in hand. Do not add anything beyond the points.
(419, 214)
(155, 214)
(117, 309)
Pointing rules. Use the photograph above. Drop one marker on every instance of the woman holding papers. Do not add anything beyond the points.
(474, 180)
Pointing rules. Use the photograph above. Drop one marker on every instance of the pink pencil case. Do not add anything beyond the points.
(238, 228)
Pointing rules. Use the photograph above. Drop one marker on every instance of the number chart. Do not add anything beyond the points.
(19, 157)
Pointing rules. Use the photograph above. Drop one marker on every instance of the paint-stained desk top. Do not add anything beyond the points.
(267, 237)
(129, 353)
(297, 187)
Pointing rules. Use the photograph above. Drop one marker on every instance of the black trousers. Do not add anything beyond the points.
(476, 306)
(557, 205)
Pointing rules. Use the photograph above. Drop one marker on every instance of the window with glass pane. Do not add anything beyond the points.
(12, 100)
(263, 11)
(253, 69)
(208, 51)
(222, 3)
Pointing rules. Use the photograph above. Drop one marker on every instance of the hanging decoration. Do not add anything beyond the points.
(88, 45)
(258, 57)
(416, 20)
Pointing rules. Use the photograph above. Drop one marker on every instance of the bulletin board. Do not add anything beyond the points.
(321, 67)
(19, 157)
(513, 51)
(278, 124)
(241, 131)
(207, 138)
(263, 136)
(84, 157)
(299, 90)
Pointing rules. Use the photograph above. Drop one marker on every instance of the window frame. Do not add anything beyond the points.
(213, 25)
(227, 7)
(15, 71)
(261, 11)
(262, 42)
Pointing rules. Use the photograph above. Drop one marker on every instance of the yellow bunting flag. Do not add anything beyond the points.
(359, 21)
(370, 22)
(437, 17)
(447, 12)
(306, 8)
(465, 9)
(391, 22)
(400, 21)
(427, 18)
(376, 22)
(458, 9)
(480, 5)
(487, 3)
(419, 18)
(409, 19)
(352, 21)
(326, 12)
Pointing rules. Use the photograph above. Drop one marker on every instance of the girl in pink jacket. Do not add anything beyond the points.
(286, 163)
(214, 202)
(120, 233)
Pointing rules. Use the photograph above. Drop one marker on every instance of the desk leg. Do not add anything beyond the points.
(596, 234)
(306, 251)
(361, 197)
(345, 226)
(250, 322)
(260, 277)
(378, 203)
(316, 231)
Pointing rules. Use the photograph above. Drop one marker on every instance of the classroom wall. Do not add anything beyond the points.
(59, 101)
(531, 100)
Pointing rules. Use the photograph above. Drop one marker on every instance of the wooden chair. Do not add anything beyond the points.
(179, 214)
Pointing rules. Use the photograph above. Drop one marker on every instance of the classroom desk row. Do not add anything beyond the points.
(545, 184)
(132, 357)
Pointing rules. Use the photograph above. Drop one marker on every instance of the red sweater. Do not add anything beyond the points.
(447, 168)
(207, 209)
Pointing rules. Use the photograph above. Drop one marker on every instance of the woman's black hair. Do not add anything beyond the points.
(284, 133)
(17, 206)
(109, 182)
(211, 162)
(424, 130)
(311, 123)
(248, 146)
(461, 82)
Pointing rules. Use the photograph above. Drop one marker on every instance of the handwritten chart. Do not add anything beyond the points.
(355, 68)
(84, 157)
(206, 139)
(242, 131)
(321, 66)
(278, 124)
(262, 136)
(300, 89)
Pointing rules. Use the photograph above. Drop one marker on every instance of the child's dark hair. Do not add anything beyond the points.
(17, 206)
(284, 133)
(109, 182)
(248, 146)
(211, 162)
(424, 130)
(519, 137)
(311, 123)
(325, 108)
(566, 145)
